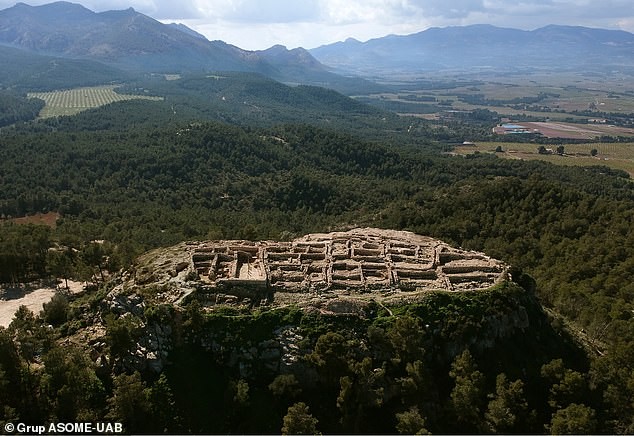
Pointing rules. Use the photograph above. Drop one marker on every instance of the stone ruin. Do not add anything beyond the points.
(357, 261)
(340, 273)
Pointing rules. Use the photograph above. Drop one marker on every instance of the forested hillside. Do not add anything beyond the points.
(140, 175)
(33, 72)
(15, 108)
(233, 98)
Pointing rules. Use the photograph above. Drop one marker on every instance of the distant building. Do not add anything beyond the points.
(512, 129)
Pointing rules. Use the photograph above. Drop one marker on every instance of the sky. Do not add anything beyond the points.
(260, 24)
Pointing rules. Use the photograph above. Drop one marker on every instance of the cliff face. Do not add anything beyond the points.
(450, 324)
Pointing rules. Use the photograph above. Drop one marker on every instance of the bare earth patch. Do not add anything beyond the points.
(47, 219)
(33, 298)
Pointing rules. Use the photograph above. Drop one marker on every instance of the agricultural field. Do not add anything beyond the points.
(539, 95)
(613, 155)
(73, 101)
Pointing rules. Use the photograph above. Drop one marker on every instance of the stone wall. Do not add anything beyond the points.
(360, 260)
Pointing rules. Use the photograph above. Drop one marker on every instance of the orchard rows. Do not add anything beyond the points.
(72, 101)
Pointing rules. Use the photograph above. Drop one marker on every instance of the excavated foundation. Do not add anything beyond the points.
(358, 260)
(339, 272)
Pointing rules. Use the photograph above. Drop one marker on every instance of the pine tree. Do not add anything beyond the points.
(298, 420)
(467, 396)
(507, 405)
(411, 422)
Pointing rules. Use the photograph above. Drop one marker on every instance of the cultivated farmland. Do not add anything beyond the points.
(556, 97)
(614, 155)
(73, 101)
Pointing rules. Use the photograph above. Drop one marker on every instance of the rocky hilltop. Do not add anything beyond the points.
(331, 272)
(352, 274)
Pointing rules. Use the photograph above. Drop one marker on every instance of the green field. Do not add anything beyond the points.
(614, 155)
(73, 101)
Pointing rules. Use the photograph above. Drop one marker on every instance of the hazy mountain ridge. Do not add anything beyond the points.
(482, 47)
(129, 40)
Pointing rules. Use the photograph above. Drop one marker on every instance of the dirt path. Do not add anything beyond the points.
(11, 300)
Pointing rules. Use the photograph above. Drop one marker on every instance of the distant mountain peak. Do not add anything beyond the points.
(52, 12)
(277, 48)
(295, 58)
(58, 6)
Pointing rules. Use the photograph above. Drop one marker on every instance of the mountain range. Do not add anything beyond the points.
(128, 42)
(483, 47)
(133, 42)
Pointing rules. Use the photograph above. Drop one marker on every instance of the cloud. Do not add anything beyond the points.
(342, 12)
(274, 11)
(626, 24)
(240, 11)
(452, 9)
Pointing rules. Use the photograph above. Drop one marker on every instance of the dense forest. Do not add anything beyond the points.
(274, 165)
(15, 108)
